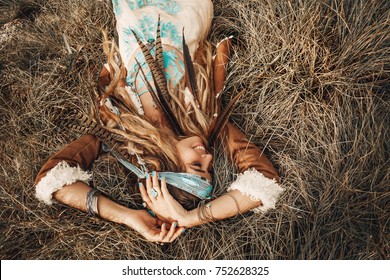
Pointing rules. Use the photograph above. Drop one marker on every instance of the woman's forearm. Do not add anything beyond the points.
(74, 195)
(139, 220)
(225, 206)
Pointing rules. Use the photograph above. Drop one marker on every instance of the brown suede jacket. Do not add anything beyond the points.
(243, 153)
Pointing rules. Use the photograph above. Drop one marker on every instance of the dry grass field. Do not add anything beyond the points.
(317, 81)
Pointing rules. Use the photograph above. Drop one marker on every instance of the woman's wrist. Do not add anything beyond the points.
(130, 217)
(219, 209)
(191, 219)
(115, 212)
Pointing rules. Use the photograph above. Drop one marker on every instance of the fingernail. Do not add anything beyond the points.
(162, 178)
(174, 224)
(151, 213)
(153, 173)
(183, 230)
(139, 184)
(146, 175)
(144, 204)
(164, 225)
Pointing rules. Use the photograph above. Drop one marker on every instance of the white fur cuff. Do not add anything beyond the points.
(254, 184)
(60, 175)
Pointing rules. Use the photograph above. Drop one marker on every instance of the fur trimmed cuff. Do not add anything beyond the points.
(60, 175)
(258, 187)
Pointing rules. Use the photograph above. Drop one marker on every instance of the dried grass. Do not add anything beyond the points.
(316, 75)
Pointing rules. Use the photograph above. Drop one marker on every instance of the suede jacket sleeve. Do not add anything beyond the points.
(246, 155)
(67, 166)
(258, 177)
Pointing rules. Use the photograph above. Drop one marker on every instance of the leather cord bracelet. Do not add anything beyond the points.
(235, 202)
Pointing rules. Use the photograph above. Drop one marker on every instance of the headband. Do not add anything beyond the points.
(191, 183)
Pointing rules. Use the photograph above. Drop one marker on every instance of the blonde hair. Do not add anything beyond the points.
(195, 117)
(155, 144)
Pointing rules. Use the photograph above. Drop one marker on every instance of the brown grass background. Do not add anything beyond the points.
(316, 75)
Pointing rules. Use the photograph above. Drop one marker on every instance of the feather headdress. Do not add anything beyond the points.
(161, 96)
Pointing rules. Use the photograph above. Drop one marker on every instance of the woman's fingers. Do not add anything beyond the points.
(164, 188)
(179, 231)
(149, 186)
(156, 191)
(170, 234)
(163, 231)
(160, 223)
(173, 233)
(144, 194)
(152, 190)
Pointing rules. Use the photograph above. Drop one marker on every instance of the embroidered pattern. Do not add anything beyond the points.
(117, 7)
(146, 30)
(172, 63)
(169, 30)
(169, 6)
(143, 20)
(174, 68)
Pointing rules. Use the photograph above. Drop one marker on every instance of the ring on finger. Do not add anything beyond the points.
(154, 193)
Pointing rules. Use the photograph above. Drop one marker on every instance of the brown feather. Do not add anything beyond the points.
(159, 48)
(160, 100)
(122, 106)
(190, 75)
(158, 73)
(83, 124)
(155, 97)
(217, 126)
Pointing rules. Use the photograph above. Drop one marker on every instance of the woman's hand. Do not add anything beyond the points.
(152, 228)
(160, 201)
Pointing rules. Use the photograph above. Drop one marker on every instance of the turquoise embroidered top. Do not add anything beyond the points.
(141, 16)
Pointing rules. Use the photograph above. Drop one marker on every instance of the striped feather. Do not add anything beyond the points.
(95, 97)
(158, 73)
(155, 97)
(160, 100)
(87, 125)
(159, 48)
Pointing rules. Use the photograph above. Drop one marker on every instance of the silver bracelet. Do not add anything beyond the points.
(91, 200)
